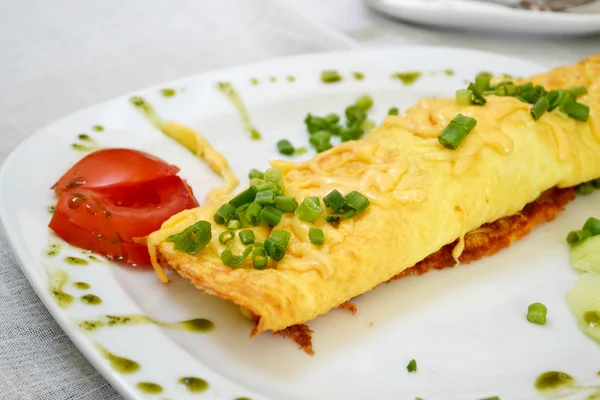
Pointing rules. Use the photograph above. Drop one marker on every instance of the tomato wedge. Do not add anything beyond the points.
(106, 215)
(114, 168)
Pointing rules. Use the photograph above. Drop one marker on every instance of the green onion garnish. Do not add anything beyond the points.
(316, 236)
(393, 111)
(234, 224)
(334, 200)
(536, 313)
(232, 260)
(332, 118)
(335, 217)
(525, 87)
(259, 258)
(259, 243)
(246, 236)
(285, 147)
(592, 225)
(270, 215)
(330, 76)
(365, 102)
(540, 107)
(576, 237)
(276, 244)
(224, 213)
(456, 131)
(286, 204)
(464, 97)
(321, 141)
(357, 201)
(256, 174)
(412, 366)
(315, 124)
(585, 188)
(355, 114)
(352, 132)
(247, 196)
(309, 210)
(226, 236)
(274, 176)
(577, 111)
(253, 214)
(478, 98)
(577, 91)
(482, 81)
(265, 197)
(193, 238)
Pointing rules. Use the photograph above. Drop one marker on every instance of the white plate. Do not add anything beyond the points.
(466, 326)
(475, 14)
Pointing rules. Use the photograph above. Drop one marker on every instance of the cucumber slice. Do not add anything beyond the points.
(584, 302)
(586, 255)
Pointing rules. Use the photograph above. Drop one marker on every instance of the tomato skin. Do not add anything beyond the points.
(114, 168)
(108, 219)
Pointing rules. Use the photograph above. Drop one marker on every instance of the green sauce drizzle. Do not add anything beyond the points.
(51, 209)
(359, 76)
(243, 398)
(53, 250)
(81, 285)
(227, 89)
(76, 261)
(272, 79)
(82, 147)
(119, 364)
(407, 78)
(90, 299)
(254, 81)
(199, 325)
(84, 137)
(149, 388)
(147, 110)
(194, 385)
(58, 280)
(291, 78)
(449, 72)
(94, 258)
(98, 128)
(554, 380)
(167, 92)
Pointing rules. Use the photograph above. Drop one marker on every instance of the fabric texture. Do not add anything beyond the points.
(60, 56)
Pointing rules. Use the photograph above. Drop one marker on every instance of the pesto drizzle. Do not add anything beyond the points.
(168, 92)
(90, 299)
(58, 280)
(194, 385)
(147, 110)
(407, 78)
(53, 250)
(199, 325)
(227, 89)
(119, 364)
(76, 261)
(149, 388)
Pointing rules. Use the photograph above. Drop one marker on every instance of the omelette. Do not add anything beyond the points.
(426, 201)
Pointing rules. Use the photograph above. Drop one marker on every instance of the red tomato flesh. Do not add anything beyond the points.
(106, 219)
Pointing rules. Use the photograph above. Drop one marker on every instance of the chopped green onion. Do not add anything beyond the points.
(232, 260)
(357, 201)
(256, 182)
(456, 131)
(254, 173)
(246, 236)
(365, 102)
(285, 147)
(412, 366)
(576, 237)
(193, 239)
(253, 214)
(525, 87)
(316, 236)
(367, 125)
(335, 217)
(274, 176)
(478, 98)
(308, 211)
(539, 108)
(482, 81)
(315, 124)
(234, 224)
(226, 236)
(393, 111)
(553, 97)
(224, 213)
(352, 132)
(259, 243)
(334, 200)
(247, 196)
(332, 118)
(577, 111)
(585, 188)
(300, 150)
(596, 183)
(464, 97)
(321, 141)
(592, 225)
(536, 313)
(265, 197)
(276, 244)
(577, 91)
(259, 258)
(355, 114)
(286, 204)
(330, 76)
(271, 215)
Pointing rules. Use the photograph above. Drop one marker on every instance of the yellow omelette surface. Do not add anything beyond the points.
(423, 196)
